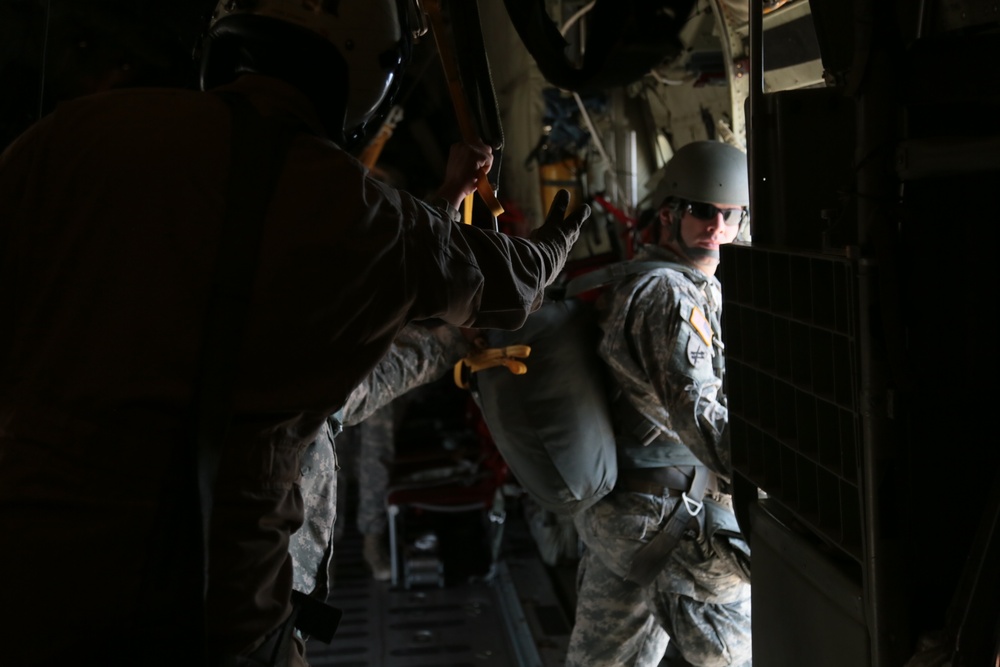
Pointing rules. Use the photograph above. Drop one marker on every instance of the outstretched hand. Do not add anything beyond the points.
(560, 227)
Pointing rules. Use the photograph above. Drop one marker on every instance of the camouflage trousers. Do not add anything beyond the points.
(700, 601)
(376, 436)
(366, 449)
(309, 546)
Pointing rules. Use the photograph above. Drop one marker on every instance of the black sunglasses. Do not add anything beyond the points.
(704, 211)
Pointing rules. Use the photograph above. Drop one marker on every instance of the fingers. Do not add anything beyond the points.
(474, 156)
(557, 209)
(482, 153)
(580, 215)
(561, 228)
(572, 223)
(465, 162)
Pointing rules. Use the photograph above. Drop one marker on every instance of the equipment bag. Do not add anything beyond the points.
(552, 423)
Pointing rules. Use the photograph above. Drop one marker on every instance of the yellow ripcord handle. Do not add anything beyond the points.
(467, 209)
(491, 358)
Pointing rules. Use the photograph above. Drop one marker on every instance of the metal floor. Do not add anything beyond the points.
(512, 618)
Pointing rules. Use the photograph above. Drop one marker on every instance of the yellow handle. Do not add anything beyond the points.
(491, 358)
(467, 209)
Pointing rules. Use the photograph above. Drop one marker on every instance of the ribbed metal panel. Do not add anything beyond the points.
(792, 366)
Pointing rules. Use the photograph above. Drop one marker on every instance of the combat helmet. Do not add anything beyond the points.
(347, 56)
(706, 172)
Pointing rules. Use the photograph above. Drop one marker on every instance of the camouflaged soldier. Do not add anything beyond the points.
(418, 355)
(364, 451)
(665, 574)
(377, 440)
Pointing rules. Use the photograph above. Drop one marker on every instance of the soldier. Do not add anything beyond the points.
(126, 217)
(375, 440)
(652, 572)
(418, 355)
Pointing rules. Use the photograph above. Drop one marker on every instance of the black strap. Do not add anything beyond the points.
(475, 73)
(631, 426)
(649, 560)
(257, 156)
(477, 78)
(316, 619)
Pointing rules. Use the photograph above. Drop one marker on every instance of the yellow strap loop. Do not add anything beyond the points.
(491, 358)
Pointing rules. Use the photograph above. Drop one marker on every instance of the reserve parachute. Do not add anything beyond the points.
(551, 417)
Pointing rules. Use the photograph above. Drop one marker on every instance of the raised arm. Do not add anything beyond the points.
(418, 355)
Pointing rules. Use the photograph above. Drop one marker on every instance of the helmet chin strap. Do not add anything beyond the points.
(698, 253)
(692, 253)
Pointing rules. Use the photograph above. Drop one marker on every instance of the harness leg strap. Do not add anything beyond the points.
(650, 559)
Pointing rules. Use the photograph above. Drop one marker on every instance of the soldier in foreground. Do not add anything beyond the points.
(664, 560)
(125, 217)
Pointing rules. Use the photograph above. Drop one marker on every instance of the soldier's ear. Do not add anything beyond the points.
(664, 230)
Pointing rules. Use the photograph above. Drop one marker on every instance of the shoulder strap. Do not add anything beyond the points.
(257, 157)
(614, 272)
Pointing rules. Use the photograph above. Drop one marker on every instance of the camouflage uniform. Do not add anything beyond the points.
(309, 545)
(661, 342)
(376, 437)
(367, 463)
(365, 450)
(418, 355)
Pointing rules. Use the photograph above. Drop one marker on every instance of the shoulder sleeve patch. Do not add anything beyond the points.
(697, 352)
(701, 325)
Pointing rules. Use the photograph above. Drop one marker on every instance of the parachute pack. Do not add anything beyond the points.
(551, 420)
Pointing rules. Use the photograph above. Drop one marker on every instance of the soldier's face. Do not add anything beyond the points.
(704, 229)
(710, 225)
